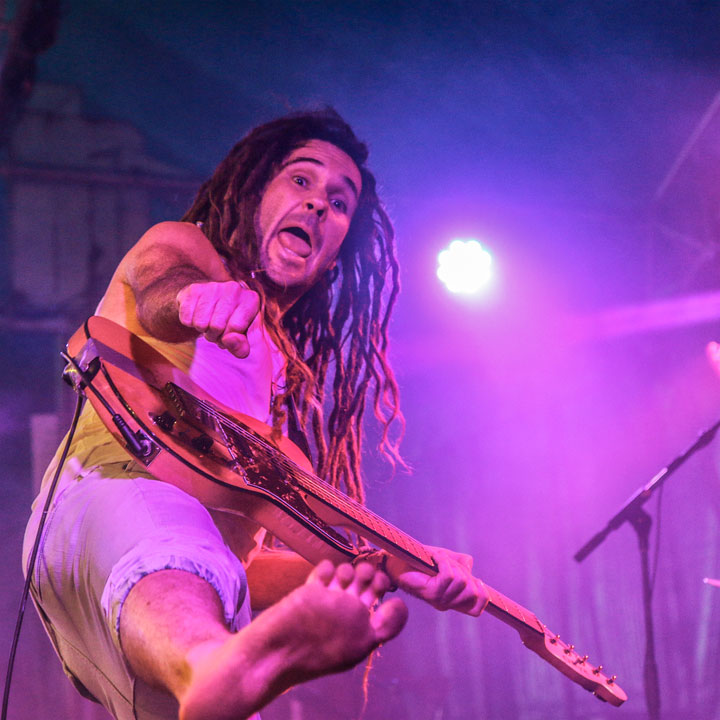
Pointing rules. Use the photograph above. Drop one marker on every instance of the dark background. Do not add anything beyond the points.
(579, 141)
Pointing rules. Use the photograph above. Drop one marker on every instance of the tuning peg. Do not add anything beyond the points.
(611, 680)
(555, 639)
(582, 660)
(569, 649)
(597, 670)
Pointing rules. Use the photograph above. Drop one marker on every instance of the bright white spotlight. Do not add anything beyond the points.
(465, 266)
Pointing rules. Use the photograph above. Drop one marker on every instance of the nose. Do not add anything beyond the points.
(316, 205)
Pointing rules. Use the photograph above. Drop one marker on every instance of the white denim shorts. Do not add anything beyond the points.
(108, 527)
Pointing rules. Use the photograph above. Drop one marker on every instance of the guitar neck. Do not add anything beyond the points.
(393, 539)
(518, 617)
(367, 523)
(350, 513)
(382, 532)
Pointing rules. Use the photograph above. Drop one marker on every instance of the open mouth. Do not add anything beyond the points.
(296, 239)
(298, 232)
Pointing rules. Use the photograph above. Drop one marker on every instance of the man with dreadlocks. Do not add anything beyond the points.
(283, 266)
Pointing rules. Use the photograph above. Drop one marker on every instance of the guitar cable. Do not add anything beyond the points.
(34, 553)
(79, 379)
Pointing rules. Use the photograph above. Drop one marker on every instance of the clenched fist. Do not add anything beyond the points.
(221, 311)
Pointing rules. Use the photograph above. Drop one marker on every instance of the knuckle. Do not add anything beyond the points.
(216, 325)
(249, 298)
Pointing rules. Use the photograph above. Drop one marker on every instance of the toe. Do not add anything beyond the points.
(364, 573)
(322, 573)
(344, 575)
(389, 619)
(378, 585)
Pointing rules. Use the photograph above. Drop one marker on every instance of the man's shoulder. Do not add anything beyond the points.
(170, 243)
(165, 255)
(174, 233)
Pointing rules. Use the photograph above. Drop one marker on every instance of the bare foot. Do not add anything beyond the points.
(327, 625)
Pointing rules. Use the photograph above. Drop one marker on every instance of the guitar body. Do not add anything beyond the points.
(233, 462)
(193, 455)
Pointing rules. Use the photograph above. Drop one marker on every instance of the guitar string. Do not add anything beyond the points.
(311, 482)
(314, 484)
(308, 481)
(317, 486)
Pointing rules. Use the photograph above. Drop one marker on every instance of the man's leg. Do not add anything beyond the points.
(109, 529)
(174, 635)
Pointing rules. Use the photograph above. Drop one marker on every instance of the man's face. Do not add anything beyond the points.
(304, 215)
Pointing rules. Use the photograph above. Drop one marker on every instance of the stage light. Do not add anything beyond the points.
(465, 266)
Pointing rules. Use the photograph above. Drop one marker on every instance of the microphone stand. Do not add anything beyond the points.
(634, 513)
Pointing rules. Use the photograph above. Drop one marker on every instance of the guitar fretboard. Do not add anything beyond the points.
(505, 609)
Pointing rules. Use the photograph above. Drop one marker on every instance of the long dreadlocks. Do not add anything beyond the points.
(336, 334)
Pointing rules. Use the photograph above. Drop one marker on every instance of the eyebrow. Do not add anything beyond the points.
(315, 161)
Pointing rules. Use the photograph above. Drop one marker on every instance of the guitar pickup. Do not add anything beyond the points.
(166, 421)
(202, 443)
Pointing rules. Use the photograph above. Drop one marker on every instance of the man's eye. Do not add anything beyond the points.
(299, 180)
(340, 205)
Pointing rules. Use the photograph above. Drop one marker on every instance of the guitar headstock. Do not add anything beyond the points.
(568, 661)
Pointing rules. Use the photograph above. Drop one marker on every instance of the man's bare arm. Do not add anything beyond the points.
(181, 288)
(169, 257)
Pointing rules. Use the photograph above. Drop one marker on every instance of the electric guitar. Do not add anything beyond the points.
(228, 460)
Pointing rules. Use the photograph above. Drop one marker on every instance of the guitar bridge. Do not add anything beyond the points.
(250, 455)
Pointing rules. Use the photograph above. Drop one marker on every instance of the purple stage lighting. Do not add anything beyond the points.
(465, 267)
